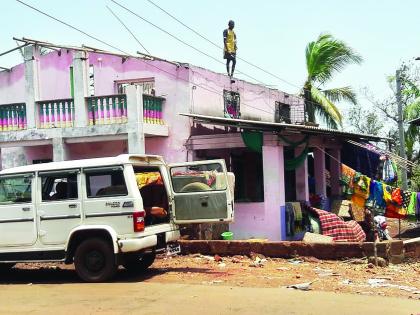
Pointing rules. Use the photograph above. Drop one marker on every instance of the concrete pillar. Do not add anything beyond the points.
(31, 55)
(302, 187)
(319, 168)
(59, 149)
(136, 141)
(335, 171)
(274, 194)
(80, 77)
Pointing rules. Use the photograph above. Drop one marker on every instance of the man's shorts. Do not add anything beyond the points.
(229, 56)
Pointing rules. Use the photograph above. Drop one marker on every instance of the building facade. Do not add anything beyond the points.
(74, 103)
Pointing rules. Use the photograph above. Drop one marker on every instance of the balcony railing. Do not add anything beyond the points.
(56, 113)
(13, 117)
(109, 109)
(152, 109)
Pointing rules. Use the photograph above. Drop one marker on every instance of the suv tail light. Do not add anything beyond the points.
(138, 221)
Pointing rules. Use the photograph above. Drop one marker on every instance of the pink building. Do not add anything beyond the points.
(74, 103)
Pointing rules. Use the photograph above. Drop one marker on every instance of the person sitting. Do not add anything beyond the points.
(60, 191)
(155, 203)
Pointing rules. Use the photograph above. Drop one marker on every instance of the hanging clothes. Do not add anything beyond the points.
(406, 197)
(290, 220)
(347, 179)
(418, 207)
(361, 190)
(389, 173)
(396, 197)
(387, 190)
(393, 211)
(411, 209)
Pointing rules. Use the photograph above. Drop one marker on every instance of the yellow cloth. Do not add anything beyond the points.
(144, 179)
(387, 193)
(230, 41)
(360, 195)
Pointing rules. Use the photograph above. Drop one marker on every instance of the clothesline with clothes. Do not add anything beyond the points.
(382, 198)
(403, 163)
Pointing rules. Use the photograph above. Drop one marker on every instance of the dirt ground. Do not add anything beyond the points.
(353, 276)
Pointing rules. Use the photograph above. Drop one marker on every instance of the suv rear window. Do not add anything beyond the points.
(16, 189)
(105, 183)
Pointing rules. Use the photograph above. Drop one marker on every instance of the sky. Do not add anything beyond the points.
(272, 34)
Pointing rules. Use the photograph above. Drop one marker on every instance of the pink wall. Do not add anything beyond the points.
(54, 75)
(12, 85)
(42, 152)
(250, 221)
(257, 101)
(88, 150)
(171, 82)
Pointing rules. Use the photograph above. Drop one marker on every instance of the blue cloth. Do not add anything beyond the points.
(418, 207)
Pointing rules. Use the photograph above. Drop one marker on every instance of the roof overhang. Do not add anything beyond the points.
(283, 127)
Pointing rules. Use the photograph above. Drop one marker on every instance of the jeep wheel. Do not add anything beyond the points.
(95, 261)
(4, 267)
(138, 263)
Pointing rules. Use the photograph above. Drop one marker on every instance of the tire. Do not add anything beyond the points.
(194, 187)
(138, 263)
(4, 267)
(94, 260)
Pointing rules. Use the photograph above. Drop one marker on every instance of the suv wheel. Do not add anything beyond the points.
(95, 260)
(6, 266)
(139, 263)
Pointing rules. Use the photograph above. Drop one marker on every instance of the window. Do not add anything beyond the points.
(16, 189)
(248, 169)
(282, 113)
(195, 178)
(59, 186)
(232, 104)
(146, 85)
(105, 183)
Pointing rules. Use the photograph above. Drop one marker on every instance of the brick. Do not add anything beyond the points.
(396, 248)
(276, 249)
(396, 259)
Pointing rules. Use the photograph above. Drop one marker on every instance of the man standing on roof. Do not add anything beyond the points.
(229, 40)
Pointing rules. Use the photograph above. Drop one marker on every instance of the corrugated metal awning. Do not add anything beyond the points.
(281, 127)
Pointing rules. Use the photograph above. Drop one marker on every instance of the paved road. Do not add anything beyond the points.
(158, 298)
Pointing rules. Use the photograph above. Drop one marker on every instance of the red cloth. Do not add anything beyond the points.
(332, 225)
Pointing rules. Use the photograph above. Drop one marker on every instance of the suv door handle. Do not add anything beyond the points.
(72, 205)
(26, 209)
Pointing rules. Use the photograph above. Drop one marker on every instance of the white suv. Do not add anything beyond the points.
(105, 212)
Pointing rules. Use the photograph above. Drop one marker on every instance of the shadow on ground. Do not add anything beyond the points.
(58, 275)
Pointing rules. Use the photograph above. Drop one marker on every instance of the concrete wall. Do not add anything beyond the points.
(12, 85)
(257, 101)
(54, 75)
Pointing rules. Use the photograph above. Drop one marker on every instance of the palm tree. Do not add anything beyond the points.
(325, 57)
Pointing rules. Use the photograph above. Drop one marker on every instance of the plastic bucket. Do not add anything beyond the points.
(227, 235)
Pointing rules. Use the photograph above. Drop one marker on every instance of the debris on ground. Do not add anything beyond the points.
(381, 261)
(349, 276)
(258, 262)
(295, 261)
(301, 286)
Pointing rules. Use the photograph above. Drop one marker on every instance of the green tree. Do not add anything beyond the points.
(365, 121)
(387, 111)
(325, 57)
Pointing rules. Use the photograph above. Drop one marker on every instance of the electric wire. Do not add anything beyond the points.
(181, 40)
(128, 30)
(220, 47)
(204, 53)
(128, 54)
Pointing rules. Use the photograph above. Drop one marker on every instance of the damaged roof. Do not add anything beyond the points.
(278, 127)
